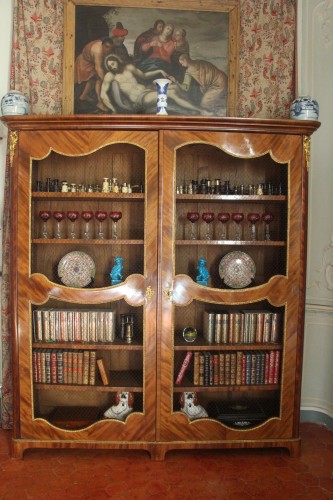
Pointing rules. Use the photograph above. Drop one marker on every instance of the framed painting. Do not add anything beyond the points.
(113, 52)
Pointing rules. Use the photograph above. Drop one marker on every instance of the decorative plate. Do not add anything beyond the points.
(237, 269)
(76, 269)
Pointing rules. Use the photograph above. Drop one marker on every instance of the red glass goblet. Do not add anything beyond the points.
(208, 217)
(59, 217)
(267, 219)
(193, 217)
(238, 217)
(100, 216)
(223, 217)
(72, 216)
(115, 216)
(45, 215)
(87, 215)
(253, 218)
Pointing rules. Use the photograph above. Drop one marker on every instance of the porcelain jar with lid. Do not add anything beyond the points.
(304, 108)
(14, 103)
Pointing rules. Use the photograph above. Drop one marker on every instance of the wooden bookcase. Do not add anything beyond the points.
(261, 166)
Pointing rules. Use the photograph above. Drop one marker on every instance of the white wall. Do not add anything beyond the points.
(6, 35)
(315, 33)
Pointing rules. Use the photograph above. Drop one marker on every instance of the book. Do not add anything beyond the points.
(209, 326)
(102, 371)
(196, 363)
(218, 328)
(184, 367)
(92, 367)
(275, 328)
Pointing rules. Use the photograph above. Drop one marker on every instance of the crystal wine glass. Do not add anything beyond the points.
(238, 217)
(87, 215)
(115, 216)
(193, 217)
(208, 217)
(253, 218)
(267, 219)
(45, 215)
(100, 215)
(72, 216)
(223, 217)
(59, 216)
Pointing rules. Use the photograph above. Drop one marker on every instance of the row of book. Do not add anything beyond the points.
(232, 368)
(60, 366)
(63, 325)
(242, 327)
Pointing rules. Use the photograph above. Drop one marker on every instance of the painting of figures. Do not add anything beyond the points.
(120, 51)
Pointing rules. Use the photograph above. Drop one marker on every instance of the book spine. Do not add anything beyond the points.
(260, 328)
(227, 369)
(37, 324)
(92, 368)
(276, 375)
(86, 363)
(222, 368)
(196, 361)
(54, 367)
(102, 372)
(60, 367)
(233, 361)
(225, 328)
(216, 369)
(267, 327)
(218, 328)
(184, 367)
(201, 369)
(209, 327)
(275, 328)
(239, 366)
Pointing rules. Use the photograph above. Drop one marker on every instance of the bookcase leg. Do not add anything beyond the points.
(295, 449)
(17, 450)
(157, 453)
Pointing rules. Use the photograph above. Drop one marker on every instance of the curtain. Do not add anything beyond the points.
(266, 58)
(36, 70)
(266, 88)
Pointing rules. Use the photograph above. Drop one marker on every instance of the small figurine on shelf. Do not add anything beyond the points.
(203, 274)
(189, 405)
(116, 273)
(123, 406)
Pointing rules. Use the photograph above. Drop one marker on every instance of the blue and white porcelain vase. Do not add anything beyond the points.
(162, 85)
(14, 103)
(304, 108)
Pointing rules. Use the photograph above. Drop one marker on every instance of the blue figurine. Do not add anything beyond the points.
(116, 274)
(203, 274)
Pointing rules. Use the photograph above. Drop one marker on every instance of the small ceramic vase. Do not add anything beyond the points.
(304, 108)
(162, 85)
(14, 103)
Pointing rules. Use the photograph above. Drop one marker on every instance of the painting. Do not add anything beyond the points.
(113, 53)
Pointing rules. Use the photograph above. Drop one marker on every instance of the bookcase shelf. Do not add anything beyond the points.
(78, 242)
(137, 360)
(117, 345)
(225, 347)
(226, 388)
(231, 242)
(230, 197)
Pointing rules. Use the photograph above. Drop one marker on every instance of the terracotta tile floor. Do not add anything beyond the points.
(218, 474)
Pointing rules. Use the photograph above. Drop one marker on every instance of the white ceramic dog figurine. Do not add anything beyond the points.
(123, 406)
(189, 406)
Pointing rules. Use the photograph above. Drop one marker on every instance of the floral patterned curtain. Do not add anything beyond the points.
(266, 88)
(36, 70)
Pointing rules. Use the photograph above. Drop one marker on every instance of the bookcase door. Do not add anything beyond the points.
(86, 284)
(232, 283)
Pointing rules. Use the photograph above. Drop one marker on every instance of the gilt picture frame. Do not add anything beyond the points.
(113, 52)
